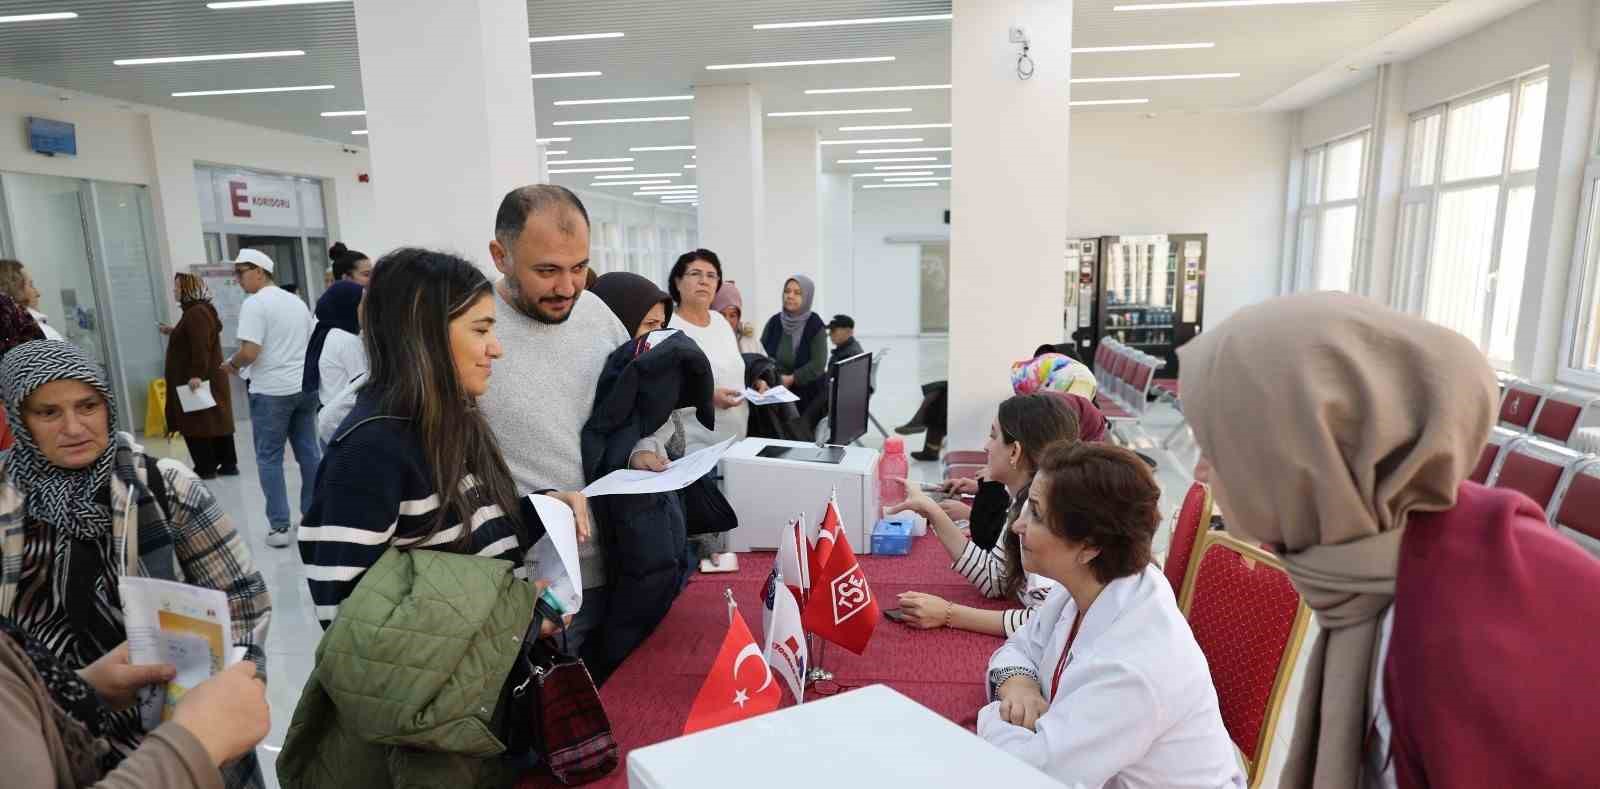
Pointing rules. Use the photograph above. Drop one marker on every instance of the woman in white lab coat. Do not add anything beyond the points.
(1105, 685)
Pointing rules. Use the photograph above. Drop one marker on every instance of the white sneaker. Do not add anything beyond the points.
(281, 538)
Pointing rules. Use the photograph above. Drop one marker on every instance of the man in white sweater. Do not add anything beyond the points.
(556, 340)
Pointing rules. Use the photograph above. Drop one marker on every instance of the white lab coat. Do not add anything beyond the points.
(1137, 706)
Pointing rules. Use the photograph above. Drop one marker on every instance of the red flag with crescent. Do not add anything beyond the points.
(840, 607)
(829, 533)
(740, 684)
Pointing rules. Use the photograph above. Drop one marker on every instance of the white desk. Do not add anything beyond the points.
(872, 737)
(766, 493)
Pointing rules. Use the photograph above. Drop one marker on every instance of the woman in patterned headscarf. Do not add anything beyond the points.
(82, 506)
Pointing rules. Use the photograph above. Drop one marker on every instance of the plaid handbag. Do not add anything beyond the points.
(566, 724)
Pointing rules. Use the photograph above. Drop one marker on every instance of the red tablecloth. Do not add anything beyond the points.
(649, 696)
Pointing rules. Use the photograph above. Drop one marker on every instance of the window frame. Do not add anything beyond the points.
(1411, 283)
(1583, 285)
(1314, 209)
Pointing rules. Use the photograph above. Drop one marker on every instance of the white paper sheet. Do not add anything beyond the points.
(192, 401)
(169, 622)
(680, 474)
(554, 557)
(773, 396)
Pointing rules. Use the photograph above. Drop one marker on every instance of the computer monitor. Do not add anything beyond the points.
(850, 388)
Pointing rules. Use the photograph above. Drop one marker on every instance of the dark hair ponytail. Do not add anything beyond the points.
(344, 260)
(1037, 421)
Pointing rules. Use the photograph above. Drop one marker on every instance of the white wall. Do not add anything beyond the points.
(883, 292)
(792, 243)
(838, 243)
(1338, 115)
(1516, 44)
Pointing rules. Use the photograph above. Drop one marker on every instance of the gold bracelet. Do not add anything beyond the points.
(949, 611)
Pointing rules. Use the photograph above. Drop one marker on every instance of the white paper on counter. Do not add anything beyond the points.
(554, 557)
(680, 474)
(776, 395)
(192, 401)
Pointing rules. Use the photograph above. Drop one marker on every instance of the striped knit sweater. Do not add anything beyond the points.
(987, 571)
(375, 489)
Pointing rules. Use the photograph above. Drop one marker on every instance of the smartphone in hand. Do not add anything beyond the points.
(895, 614)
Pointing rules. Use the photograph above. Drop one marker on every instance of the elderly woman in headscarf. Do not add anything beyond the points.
(194, 354)
(16, 327)
(1457, 634)
(798, 341)
(729, 303)
(82, 506)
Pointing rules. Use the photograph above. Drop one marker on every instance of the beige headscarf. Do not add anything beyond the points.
(1328, 419)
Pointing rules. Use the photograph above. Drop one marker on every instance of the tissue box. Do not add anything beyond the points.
(892, 536)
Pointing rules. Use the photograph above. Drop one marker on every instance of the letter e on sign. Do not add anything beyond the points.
(238, 200)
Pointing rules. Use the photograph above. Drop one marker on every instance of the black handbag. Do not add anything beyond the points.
(706, 509)
(551, 707)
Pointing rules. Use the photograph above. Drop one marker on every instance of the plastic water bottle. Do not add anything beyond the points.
(892, 467)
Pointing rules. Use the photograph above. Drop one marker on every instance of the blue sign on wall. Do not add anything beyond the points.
(52, 137)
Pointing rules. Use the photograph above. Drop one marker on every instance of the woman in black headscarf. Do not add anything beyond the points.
(335, 356)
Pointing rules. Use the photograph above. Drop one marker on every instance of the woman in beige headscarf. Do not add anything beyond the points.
(1341, 432)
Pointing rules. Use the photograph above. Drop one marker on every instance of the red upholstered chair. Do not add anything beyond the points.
(1521, 401)
(1249, 622)
(1535, 469)
(1140, 375)
(1576, 511)
(1193, 518)
(1559, 415)
(1498, 439)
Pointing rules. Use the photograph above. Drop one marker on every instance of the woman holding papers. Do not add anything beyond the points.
(194, 352)
(1024, 426)
(1105, 686)
(81, 506)
(693, 284)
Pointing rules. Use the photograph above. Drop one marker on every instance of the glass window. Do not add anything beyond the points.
(1584, 354)
(1314, 175)
(1475, 138)
(1424, 147)
(1343, 179)
(1463, 241)
(1529, 134)
(1325, 252)
(1508, 277)
(1336, 248)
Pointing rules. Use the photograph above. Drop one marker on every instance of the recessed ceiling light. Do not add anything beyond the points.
(895, 127)
(880, 141)
(891, 159)
(592, 170)
(572, 37)
(1105, 102)
(560, 153)
(882, 89)
(643, 148)
(890, 174)
(810, 113)
(672, 188)
(921, 179)
(690, 166)
(898, 186)
(870, 151)
(38, 17)
(284, 89)
(1216, 4)
(281, 53)
(631, 183)
(359, 131)
(635, 100)
(567, 74)
(681, 195)
(876, 20)
(911, 167)
(784, 63)
(613, 160)
(640, 175)
(1143, 47)
(267, 3)
(552, 139)
(1155, 77)
(599, 121)
(343, 113)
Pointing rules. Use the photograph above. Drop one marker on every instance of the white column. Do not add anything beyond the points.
(728, 148)
(838, 246)
(793, 240)
(1008, 199)
(447, 142)
(1385, 181)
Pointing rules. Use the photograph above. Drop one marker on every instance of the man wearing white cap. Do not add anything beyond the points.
(274, 329)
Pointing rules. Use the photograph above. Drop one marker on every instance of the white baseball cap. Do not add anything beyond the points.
(254, 257)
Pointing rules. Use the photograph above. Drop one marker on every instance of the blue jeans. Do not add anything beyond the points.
(275, 421)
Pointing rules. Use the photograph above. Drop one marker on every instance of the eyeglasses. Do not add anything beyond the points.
(239, 271)
(706, 276)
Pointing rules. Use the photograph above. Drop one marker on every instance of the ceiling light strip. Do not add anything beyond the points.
(640, 175)
(344, 113)
(1143, 47)
(911, 167)
(567, 74)
(591, 170)
(895, 127)
(572, 37)
(602, 121)
(1155, 77)
(871, 151)
(891, 174)
(359, 131)
(267, 3)
(881, 141)
(1217, 4)
(633, 100)
(880, 89)
(552, 139)
(690, 166)
(787, 63)
(560, 153)
(890, 159)
(238, 91)
(611, 160)
(921, 179)
(899, 186)
(815, 113)
(653, 182)
(646, 148)
(280, 53)
(876, 20)
(1105, 102)
(46, 17)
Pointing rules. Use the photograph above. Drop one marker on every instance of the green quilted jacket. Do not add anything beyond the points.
(408, 677)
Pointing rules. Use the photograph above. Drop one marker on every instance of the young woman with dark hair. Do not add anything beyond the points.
(1105, 685)
(1023, 427)
(415, 465)
(349, 265)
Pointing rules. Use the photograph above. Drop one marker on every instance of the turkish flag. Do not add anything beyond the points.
(829, 532)
(841, 607)
(727, 694)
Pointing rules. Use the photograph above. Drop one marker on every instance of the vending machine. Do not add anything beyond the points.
(1147, 292)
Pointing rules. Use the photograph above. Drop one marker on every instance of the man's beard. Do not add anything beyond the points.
(531, 307)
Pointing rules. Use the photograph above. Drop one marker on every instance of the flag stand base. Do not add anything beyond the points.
(816, 673)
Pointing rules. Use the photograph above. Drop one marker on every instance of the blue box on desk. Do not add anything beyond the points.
(892, 536)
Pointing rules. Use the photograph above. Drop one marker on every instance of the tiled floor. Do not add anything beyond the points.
(294, 632)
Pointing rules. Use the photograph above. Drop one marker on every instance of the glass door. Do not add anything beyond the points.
(121, 223)
(49, 236)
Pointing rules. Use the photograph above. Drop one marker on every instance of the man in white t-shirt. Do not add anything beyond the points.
(274, 328)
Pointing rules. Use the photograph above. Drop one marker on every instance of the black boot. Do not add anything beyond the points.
(932, 447)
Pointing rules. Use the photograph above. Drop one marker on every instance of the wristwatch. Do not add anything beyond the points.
(999, 676)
